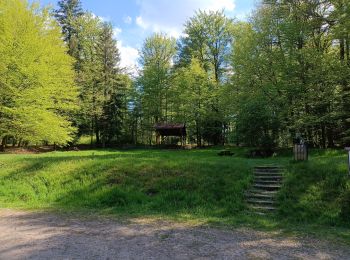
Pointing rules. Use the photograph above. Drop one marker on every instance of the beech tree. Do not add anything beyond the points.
(192, 99)
(37, 90)
(156, 58)
(208, 39)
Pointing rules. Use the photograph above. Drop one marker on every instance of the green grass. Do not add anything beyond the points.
(317, 191)
(195, 185)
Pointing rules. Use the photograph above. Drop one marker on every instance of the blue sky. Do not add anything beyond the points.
(134, 20)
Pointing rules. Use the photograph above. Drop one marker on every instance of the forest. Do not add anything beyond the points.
(282, 73)
(88, 171)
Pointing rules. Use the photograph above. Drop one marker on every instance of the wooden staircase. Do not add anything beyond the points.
(261, 198)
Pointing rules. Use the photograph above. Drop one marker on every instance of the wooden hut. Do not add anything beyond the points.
(164, 130)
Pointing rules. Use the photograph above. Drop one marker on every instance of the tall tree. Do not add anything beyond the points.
(114, 86)
(156, 57)
(37, 89)
(102, 87)
(89, 30)
(208, 39)
(192, 98)
(66, 14)
(340, 21)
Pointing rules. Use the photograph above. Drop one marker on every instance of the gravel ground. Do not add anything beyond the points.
(33, 235)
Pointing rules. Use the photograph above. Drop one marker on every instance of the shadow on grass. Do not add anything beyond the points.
(183, 185)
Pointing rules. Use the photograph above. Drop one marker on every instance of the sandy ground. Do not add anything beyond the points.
(33, 235)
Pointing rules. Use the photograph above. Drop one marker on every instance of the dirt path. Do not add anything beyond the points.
(32, 235)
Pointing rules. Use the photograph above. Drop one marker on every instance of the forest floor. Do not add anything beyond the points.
(44, 235)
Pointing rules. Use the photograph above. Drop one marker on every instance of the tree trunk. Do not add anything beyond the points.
(198, 135)
(342, 49)
(330, 137)
(92, 132)
(3, 144)
(347, 50)
(97, 134)
(323, 136)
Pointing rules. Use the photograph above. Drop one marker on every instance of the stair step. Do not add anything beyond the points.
(268, 183)
(267, 186)
(280, 177)
(267, 176)
(267, 172)
(260, 196)
(262, 208)
(261, 202)
(257, 179)
(265, 192)
(268, 167)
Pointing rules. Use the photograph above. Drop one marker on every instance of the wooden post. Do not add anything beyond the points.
(348, 149)
(158, 138)
(300, 152)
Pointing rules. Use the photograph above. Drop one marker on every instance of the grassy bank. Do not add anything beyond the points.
(194, 185)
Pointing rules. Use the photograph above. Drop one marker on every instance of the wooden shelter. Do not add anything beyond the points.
(164, 130)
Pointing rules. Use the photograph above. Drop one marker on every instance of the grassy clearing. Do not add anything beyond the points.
(194, 185)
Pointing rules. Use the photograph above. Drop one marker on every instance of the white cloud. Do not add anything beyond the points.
(116, 32)
(154, 27)
(129, 57)
(102, 18)
(141, 23)
(127, 20)
(169, 15)
(216, 5)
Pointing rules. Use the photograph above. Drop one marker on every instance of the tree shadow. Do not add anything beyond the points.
(43, 235)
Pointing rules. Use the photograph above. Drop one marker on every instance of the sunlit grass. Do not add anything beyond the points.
(189, 185)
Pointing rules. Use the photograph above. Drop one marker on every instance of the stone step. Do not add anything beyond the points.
(270, 180)
(267, 182)
(267, 186)
(262, 209)
(261, 202)
(263, 192)
(268, 177)
(260, 196)
(265, 174)
(268, 172)
(268, 167)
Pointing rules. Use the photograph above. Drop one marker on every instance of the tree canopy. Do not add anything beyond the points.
(37, 92)
(284, 72)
